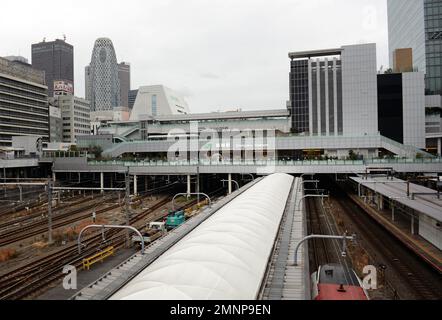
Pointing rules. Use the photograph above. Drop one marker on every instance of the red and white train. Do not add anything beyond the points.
(332, 282)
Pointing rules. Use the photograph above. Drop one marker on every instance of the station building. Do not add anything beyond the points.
(339, 106)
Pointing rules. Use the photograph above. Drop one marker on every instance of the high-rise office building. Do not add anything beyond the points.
(417, 24)
(124, 77)
(24, 109)
(56, 59)
(334, 92)
(102, 82)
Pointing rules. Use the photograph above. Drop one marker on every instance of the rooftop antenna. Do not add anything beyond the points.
(44, 39)
(64, 37)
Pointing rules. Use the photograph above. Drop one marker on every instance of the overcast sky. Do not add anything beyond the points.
(220, 54)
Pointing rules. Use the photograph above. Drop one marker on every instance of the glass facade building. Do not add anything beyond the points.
(417, 24)
(316, 96)
(433, 46)
(299, 96)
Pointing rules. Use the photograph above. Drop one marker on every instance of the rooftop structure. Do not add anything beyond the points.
(22, 71)
(157, 100)
(315, 53)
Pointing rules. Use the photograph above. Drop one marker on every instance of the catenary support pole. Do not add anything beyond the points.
(50, 185)
(189, 190)
(135, 185)
(102, 182)
(127, 206)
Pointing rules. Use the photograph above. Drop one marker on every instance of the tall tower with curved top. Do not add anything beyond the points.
(102, 83)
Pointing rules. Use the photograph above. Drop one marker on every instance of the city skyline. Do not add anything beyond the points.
(172, 44)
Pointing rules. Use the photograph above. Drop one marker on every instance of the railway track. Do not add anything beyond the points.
(31, 279)
(59, 220)
(38, 212)
(35, 208)
(412, 275)
(319, 246)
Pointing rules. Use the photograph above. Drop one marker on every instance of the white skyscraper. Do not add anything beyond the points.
(102, 83)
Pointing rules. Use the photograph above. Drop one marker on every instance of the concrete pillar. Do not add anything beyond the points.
(189, 190)
(54, 176)
(135, 185)
(230, 183)
(412, 225)
(392, 212)
(145, 183)
(102, 181)
(79, 177)
(439, 147)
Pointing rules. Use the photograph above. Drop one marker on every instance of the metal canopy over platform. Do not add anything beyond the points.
(396, 190)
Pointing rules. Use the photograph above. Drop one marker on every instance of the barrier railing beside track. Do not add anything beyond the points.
(99, 257)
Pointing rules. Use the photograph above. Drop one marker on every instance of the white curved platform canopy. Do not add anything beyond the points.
(225, 258)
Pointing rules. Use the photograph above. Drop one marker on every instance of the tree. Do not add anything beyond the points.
(73, 148)
(352, 155)
(96, 151)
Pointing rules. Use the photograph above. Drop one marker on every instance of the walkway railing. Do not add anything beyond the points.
(64, 154)
(147, 163)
